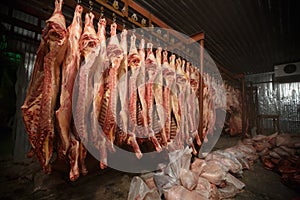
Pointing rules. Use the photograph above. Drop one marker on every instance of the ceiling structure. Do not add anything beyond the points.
(244, 36)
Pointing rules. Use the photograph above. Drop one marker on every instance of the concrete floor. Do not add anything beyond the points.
(24, 180)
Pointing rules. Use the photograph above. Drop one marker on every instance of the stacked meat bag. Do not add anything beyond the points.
(280, 153)
(211, 178)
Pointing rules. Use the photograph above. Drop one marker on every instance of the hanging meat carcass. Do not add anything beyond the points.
(158, 96)
(234, 109)
(181, 83)
(153, 94)
(134, 63)
(123, 93)
(83, 86)
(141, 87)
(115, 55)
(142, 130)
(97, 135)
(168, 77)
(69, 72)
(193, 104)
(38, 108)
(151, 73)
(70, 68)
(235, 122)
(190, 106)
(89, 47)
(174, 100)
(127, 134)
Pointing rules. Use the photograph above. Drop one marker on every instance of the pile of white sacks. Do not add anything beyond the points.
(214, 177)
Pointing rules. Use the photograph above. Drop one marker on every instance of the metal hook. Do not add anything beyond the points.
(116, 5)
(124, 10)
(143, 22)
(90, 5)
(172, 40)
(134, 17)
(158, 42)
(114, 17)
(123, 23)
(133, 29)
(78, 1)
(102, 12)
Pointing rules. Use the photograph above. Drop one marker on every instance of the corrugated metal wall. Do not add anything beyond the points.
(289, 109)
(278, 98)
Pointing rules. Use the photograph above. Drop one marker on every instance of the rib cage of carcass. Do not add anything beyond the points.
(109, 94)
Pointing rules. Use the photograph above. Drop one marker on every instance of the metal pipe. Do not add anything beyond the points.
(200, 127)
(244, 123)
